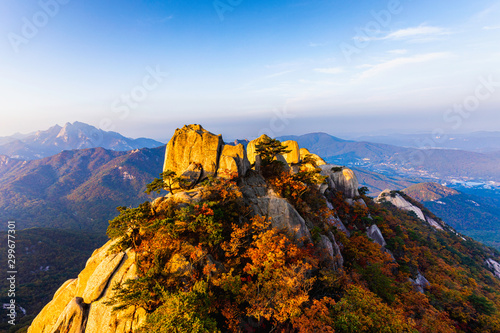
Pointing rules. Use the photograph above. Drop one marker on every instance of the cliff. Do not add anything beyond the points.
(274, 242)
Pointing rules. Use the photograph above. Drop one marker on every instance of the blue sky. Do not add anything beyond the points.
(243, 67)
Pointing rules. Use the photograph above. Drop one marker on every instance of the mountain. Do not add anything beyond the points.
(14, 137)
(475, 216)
(265, 249)
(481, 142)
(443, 164)
(377, 182)
(429, 192)
(72, 136)
(77, 189)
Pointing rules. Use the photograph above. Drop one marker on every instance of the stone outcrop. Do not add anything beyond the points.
(420, 283)
(335, 220)
(251, 148)
(398, 201)
(78, 306)
(283, 216)
(233, 160)
(375, 234)
(343, 180)
(494, 267)
(318, 160)
(329, 252)
(433, 223)
(73, 318)
(293, 157)
(191, 176)
(47, 318)
(193, 144)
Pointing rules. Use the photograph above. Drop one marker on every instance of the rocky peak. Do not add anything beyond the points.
(251, 147)
(193, 144)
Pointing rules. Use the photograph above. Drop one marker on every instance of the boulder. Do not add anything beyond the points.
(400, 202)
(375, 234)
(343, 180)
(193, 144)
(233, 160)
(420, 283)
(283, 216)
(251, 148)
(195, 195)
(281, 158)
(318, 160)
(293, 157)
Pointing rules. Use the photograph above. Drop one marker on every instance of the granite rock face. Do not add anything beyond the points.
(193, 144)
(398, 201)
(78, 306)
(329, 252)
(494, 266)
(375, 234)
(420, 283)
(251, 148)
(343, 180)
(233, 160)
(318, 160)
(283, 216)
(293, 157)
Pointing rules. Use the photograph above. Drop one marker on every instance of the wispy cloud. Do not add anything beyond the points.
(402, 61)
(399, 51)
(421, 33)
(330, 70)
(491, 27)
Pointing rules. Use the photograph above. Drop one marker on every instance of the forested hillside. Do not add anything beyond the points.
(77, 189)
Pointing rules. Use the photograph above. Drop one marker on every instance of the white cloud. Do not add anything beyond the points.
(417, 32)
(331, 70)
(399, 51)
(402, 61)
(491, 27)
(420, 33)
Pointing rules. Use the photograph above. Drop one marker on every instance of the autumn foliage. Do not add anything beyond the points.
(216, 266)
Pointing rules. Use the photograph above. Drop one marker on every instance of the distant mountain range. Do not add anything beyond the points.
(482, 142)
(77, 189)
(442, 164)
(475, 216)
(71, 136)
(80, 189)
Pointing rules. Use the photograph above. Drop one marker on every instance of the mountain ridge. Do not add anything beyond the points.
(76, 135)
